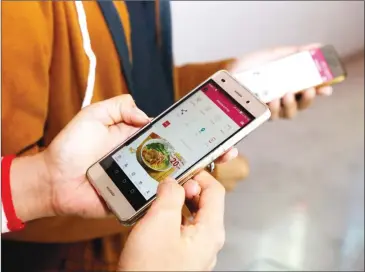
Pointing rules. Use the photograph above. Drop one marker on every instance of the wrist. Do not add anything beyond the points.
(31, 187)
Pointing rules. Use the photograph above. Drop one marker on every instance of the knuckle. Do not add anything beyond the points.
(94, 105)
(92, 108)
(174, 188)
(129, 98)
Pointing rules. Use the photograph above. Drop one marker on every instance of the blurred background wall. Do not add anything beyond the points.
(302, 207)
(232, 28)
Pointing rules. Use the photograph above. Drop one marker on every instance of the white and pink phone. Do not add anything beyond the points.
(294, 73)
(178, 143)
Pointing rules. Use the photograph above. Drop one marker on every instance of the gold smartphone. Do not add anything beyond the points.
(178, 143)
(294, 73)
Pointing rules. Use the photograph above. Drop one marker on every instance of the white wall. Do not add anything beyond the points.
(214, 30)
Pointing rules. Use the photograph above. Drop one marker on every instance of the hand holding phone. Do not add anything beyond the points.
(290, 73)
(174, 246)
(179, 143)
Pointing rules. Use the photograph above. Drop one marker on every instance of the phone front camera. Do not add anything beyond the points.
(248, 101)
(223, 80)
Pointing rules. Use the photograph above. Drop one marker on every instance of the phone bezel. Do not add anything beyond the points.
(116, 201)
(335, 64)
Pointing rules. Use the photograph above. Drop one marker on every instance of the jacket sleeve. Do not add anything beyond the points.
(189, 76)
(26, 59)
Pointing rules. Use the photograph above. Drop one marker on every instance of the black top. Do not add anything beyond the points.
(150, 76)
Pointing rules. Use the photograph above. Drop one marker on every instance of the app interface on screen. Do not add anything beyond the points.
(176, 142)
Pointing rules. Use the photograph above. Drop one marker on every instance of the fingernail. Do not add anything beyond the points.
(140, 113)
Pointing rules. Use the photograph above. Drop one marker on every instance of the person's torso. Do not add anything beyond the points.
(70, 67)
(85, 64)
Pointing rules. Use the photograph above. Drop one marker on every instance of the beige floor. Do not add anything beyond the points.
(302, 207)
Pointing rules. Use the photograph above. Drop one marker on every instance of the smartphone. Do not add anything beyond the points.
(294, 73)
(178, 143)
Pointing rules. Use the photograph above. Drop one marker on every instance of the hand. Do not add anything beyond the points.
(288, 106)
(162, 242)
(56, 182)
(61, 187)
(91, 134)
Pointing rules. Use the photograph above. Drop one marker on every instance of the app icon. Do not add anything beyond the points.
(166, 124)
(183, 111)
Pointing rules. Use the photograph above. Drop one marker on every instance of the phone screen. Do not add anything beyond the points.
(175, 142)
(289, 74)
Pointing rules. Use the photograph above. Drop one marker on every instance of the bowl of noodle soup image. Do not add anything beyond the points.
(155, 154)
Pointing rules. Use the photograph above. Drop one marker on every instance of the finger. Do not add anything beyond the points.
(307, 98)
(228, 156)
(325, 90)
(211, 201)
(192, 192)
(119, 133)
(274, 107)
(118, 109)
(192, 189)
(167, 208)
(212, 264)
(290, 106)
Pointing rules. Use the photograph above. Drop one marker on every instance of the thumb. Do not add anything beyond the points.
(167, 208)
(115, 110)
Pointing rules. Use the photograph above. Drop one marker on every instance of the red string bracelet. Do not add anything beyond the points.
(14, 223)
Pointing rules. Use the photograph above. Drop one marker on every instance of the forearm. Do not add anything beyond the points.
(30, 188)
